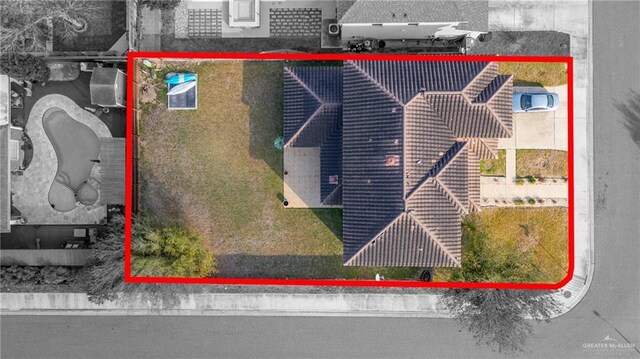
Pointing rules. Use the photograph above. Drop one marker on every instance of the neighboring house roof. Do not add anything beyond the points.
(5, 135)
(5, 195)
(107, 86)
(413, 134)
(475, 12)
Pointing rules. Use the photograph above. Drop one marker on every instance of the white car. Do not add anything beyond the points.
(535, 102)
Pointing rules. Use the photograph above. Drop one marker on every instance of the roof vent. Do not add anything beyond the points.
(392, 161)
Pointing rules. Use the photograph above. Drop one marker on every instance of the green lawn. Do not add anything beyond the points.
(541, 232)
(216, 171)
(494, 167)
(541, 163)
(535, 73)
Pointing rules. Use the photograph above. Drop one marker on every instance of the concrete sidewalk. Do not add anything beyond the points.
(266, 304)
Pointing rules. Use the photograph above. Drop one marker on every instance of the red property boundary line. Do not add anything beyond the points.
(327, 282)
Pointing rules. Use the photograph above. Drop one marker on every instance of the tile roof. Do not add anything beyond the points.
(312, 104)
(412, 136)
(475, 12)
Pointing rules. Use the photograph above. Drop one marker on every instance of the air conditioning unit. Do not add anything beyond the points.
(334, 29)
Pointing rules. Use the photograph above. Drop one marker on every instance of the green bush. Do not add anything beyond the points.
(171, 251)
(24, 67)
(518, 202)
(531, 179)
(531, 201)
(519, 181)
(483, 261)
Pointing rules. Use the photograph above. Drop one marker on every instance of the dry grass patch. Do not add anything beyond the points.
(216, 171)
(542, 231)
(535, 73)
(541, 163)
(495, 167)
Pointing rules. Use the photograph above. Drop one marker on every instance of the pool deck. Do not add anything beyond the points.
(31, 190)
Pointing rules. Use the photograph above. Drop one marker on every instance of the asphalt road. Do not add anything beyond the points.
(614, 293)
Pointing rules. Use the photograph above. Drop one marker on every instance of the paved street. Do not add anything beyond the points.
(610, 308)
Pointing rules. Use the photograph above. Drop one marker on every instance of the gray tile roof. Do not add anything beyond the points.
(475, 12)
(312, 104)
(412, 136)
(331, 165)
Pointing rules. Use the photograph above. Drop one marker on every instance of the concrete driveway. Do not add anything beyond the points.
(542, 130)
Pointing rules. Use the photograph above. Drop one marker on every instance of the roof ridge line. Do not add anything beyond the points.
(485, 69)
(334, 191)
(448, 193)
(304, 125)
(299, 80)
(504, 127)
(482, 143)
(498, 89)
(427, 178)
(376, 83)
(375, 237)
(435, 239)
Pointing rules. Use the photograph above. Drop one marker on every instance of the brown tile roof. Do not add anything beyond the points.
(435, 120)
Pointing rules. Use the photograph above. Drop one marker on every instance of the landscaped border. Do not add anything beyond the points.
(132, 56)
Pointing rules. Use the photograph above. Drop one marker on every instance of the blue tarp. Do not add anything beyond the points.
(174, 79)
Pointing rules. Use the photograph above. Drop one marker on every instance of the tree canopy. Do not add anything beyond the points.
(496, 318)
(499, 318)
(161, 4)
(25, 25)
(482, 263)
(156, 251)
(171, 251)
(24, 67)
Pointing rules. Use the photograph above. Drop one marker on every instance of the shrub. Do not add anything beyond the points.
(24, 67)
(540, 200)
(171, 251)
(531, 179)
(518, 202)
(531, 201)
(519, 181)
(20, 275)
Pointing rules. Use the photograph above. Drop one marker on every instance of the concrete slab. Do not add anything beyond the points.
(302, 181)
(535, 130)
(501, 15)
(510, 172)
(580, 73)
(534, 15)
(580, 102)
(571, 16)
(578, 47)
(561, 138)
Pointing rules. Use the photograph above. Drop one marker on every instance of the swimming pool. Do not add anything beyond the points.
(77, 149)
